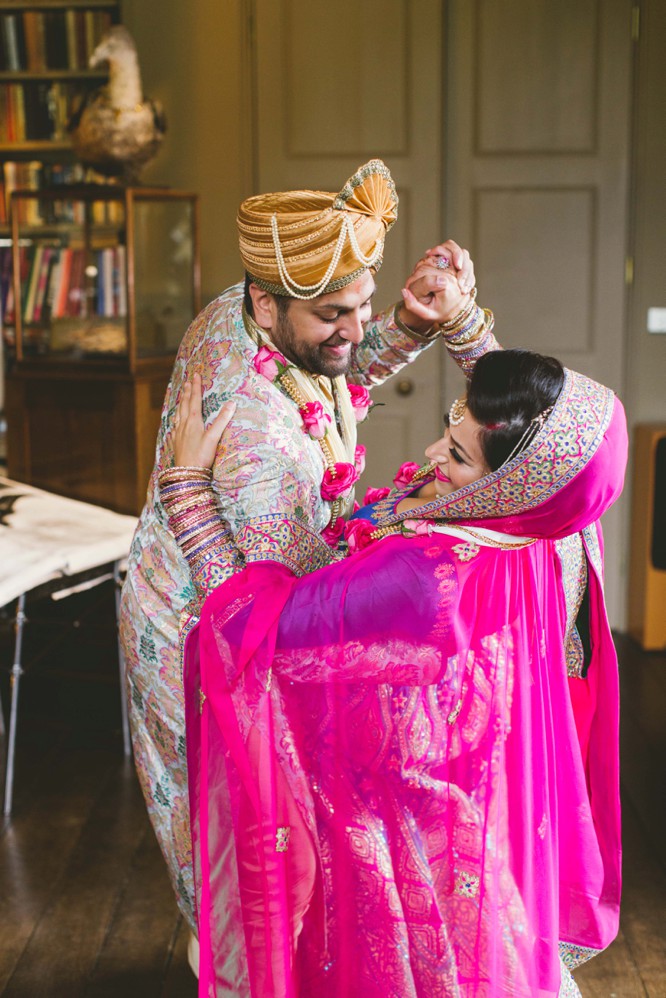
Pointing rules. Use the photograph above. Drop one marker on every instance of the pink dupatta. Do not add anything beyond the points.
(429, 805)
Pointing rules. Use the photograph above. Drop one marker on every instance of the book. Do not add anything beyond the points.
(70, 33)
(10, 42)
(35, 40)
(24, 270)
(56, 39)
(3, 113)
(81, 52)
(121, 284)
(18, 111)
(90, 32)
(76, 299)
(10, 122)
(9, 176)
(110, 303)
(53, 283)
(38, 123)
(28, 303)
(61, 292)
(42, 283)
(5, 281)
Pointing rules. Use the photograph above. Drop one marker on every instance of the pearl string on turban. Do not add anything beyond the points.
(302, 244)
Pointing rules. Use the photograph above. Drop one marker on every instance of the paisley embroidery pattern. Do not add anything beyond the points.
(267, 480)
(289, 542)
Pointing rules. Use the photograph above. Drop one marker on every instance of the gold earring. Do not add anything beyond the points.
(457, 412)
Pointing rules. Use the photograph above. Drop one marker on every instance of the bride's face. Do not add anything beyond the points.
(458, 456)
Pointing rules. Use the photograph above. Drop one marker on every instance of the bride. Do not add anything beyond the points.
(403, 767)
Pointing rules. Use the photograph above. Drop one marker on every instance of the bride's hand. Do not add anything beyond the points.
(195, 445)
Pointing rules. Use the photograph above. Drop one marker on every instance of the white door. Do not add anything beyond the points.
(538, 112)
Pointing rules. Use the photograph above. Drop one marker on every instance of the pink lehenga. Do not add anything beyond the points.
(397, 786)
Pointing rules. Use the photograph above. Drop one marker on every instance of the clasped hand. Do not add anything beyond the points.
(438, 287)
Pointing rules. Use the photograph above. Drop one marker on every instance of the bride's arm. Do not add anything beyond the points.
(187, 495)
(467, 334)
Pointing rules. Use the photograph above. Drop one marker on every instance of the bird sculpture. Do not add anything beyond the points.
(116, 130)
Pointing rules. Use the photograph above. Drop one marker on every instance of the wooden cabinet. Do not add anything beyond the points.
(104, 286)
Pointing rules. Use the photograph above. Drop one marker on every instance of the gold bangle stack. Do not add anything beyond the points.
(458, 320)
(195, 522)
(482, 325)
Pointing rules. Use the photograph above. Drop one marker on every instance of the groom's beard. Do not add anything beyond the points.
(312, 357)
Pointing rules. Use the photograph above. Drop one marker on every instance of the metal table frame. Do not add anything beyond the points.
(71, 583)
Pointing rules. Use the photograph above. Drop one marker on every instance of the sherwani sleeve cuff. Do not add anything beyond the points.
(426, 337)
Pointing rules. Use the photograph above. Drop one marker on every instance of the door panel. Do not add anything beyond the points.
(538, 99)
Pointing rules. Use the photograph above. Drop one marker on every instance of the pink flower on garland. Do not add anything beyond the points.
(333, 532)
(359, 458)
(360, 400)
(374, 495)
(406, 473)
(337, 480)
(358, 534)
(417, 528)
(315, 420)
(270, 363)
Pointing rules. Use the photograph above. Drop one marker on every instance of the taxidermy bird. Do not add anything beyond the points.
(116, 130)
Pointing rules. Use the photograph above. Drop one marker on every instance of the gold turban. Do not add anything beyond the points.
(306, 243)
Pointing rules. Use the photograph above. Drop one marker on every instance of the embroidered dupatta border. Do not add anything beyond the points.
(569, 439)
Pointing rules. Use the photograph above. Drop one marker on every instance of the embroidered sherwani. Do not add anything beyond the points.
(267, 480)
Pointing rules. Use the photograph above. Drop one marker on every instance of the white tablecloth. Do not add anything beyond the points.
(44, 537)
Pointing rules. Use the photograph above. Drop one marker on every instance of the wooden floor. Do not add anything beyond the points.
(85, 905)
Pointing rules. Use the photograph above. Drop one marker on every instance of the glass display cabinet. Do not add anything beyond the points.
(105, 281)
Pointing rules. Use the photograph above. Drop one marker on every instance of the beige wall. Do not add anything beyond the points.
(646, 352)
(191, 60)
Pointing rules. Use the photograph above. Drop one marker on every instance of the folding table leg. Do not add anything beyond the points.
(127, 745)
(16, 674)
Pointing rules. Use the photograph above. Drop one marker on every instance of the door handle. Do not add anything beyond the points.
(404, 386)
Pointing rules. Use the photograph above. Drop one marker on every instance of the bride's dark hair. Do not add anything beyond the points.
(509, 389)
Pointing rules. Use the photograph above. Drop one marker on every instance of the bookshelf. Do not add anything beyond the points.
(104, 282)
(45, 46)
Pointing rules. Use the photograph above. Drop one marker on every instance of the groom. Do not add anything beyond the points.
(282, 346)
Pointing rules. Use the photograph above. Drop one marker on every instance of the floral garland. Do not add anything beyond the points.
(339, 476)
(359, 534)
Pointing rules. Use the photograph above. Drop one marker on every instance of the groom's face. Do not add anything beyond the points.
(318, 335)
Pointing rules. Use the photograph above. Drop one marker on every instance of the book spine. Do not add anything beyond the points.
(53, 284)
(70, 31)
(42, 283)
(19, 97)
(62, 292)
(10, 39)
(35, 40)
(29, 304)
(121, 257)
